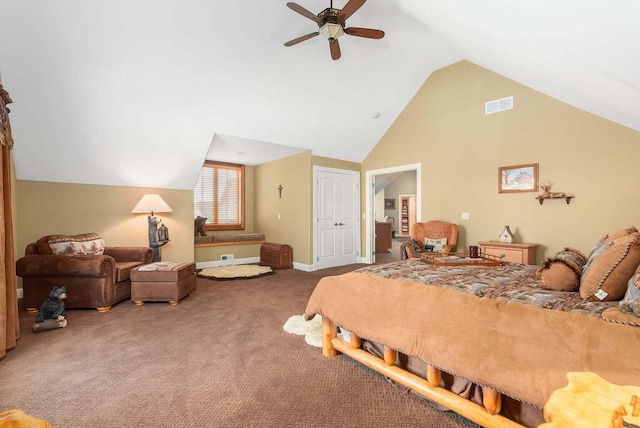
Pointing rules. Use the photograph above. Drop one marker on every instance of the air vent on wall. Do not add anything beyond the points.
(498, 105)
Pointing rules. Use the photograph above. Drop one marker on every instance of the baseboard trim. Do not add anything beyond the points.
(247, 261)
(216, 263)
(303, 267)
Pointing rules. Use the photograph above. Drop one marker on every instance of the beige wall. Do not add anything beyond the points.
(294, 208)
(46, 208)
(295, 225)
(460, 149)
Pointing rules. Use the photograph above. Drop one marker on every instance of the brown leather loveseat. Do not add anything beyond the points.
(95, 276)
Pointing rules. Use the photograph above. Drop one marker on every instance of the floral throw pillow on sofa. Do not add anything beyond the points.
(87, 243)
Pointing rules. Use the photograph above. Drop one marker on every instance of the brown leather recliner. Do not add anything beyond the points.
(434, 229)
(92, 281)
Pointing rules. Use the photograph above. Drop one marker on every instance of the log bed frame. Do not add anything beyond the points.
(487, 416)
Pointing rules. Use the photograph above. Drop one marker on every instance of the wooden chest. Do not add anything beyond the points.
(278, 256)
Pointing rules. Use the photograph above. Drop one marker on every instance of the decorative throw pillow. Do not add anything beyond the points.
(435, 245)
(609, 268)
(610, 237)
(87, 243)
(630, 304)
(562, 272)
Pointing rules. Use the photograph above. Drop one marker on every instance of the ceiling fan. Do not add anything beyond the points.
(331, 24)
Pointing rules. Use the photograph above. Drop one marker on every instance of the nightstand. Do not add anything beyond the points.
(515, 252)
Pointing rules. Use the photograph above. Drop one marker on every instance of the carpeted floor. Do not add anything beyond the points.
(218, 359)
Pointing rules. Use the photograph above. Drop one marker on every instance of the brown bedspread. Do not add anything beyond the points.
(484, 331)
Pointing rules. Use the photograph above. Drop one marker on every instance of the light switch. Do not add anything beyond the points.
(465, 216)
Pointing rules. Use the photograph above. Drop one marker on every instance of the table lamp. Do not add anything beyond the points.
(153, 203)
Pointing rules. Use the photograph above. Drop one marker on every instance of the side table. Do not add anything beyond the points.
(515, 252)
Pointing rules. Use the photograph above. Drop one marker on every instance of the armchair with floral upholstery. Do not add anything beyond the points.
(435, 230)
(95, 276)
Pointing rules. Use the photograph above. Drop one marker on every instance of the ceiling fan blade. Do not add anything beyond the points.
(364, 32)
(350, 8)
(301, 39)
(335, 49)
(304, 12)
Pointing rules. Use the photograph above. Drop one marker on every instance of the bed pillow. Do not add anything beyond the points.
(435, 245)
(609, 268)
(630, 304)
(609, 237)
(562, 272)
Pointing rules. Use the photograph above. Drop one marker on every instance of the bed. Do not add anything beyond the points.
(486, 342)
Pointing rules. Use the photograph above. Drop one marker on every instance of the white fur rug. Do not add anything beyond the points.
(311, 330)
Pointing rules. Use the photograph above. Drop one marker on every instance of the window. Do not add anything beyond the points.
(219, 196)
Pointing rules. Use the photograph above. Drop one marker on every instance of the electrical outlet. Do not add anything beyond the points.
(465, 216)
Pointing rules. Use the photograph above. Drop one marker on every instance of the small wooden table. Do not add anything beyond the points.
(459, 259)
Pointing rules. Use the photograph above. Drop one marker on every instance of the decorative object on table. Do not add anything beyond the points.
(52, 311)
(390, 204)
(506, 235)
(518, 178)
(235, 272)
(474, 251)
(459, 259)
(153, 203)
(547, 194)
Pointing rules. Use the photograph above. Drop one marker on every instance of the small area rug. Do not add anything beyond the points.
(221, 273)
(311, 330)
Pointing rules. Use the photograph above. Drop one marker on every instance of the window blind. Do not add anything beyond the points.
(218, 195)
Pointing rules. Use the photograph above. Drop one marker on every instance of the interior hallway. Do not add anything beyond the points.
(394, 253)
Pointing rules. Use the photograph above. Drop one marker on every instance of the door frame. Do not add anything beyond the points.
(370, 202)
(315, 196)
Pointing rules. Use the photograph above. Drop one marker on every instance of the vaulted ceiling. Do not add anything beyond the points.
(137, 93)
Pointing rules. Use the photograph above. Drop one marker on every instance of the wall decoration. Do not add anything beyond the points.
(518, 178)
(389, 204)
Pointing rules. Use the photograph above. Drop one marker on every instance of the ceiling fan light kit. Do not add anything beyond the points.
(331, 24)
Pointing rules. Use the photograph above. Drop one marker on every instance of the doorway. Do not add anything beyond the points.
(370, 200)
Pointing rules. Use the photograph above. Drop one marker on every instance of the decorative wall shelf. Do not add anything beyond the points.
(565, 197)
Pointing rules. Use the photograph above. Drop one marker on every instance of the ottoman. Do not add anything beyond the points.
(162, 282)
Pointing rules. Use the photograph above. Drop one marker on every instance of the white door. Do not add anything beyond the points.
(337, 217)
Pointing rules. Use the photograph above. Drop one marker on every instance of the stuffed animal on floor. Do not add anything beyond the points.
(52, 311)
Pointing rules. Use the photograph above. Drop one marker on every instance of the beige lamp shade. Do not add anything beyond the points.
(150, 203)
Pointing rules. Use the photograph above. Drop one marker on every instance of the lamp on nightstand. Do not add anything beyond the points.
(153, 203)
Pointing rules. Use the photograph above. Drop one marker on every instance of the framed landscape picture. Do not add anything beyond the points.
(390, 204)
(518, 178)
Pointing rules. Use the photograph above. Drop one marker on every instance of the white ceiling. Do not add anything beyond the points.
(134, 92)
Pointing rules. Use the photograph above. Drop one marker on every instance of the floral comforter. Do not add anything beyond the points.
(511, 282)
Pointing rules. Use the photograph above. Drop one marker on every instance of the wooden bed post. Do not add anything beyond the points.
(434, 376)
(354, 340)
(390, 356)
(492, 400)
(329, 332)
